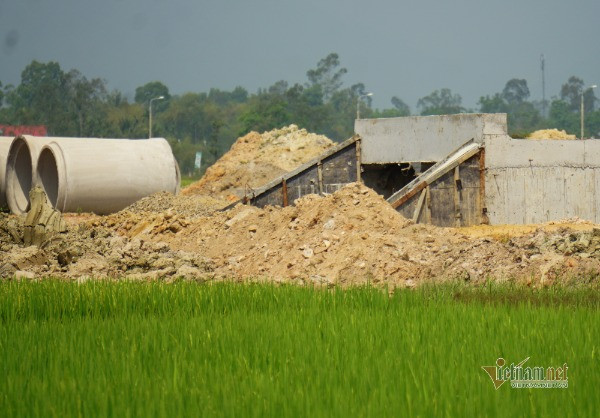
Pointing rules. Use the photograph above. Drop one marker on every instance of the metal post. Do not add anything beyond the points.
(358, 103)
(150, 121)
(582, 113)
(582, 108)
(150, 115)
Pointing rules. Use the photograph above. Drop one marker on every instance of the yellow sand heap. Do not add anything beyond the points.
(550, 134)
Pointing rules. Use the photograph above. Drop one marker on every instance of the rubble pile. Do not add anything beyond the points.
(347, 238)
(189, 206)
(86, 251)
(256, 159)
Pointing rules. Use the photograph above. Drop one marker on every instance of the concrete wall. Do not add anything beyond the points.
(423, 138)
(533, 181)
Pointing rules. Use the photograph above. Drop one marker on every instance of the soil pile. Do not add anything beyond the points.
(188, 206)
(256, 159)
(349, 237)
(92, 251)
(550, 134)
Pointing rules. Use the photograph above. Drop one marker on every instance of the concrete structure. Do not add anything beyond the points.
(459, 170)
(423, 138)
(5, 142)
(509, 181)
(89, 174)
(529, 181)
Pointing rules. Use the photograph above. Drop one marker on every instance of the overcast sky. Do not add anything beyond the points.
(395, 47)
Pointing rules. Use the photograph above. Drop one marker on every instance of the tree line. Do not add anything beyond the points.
(70, 104)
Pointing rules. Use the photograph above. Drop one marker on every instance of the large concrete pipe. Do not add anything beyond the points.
(5, 142)
(105, 175)
(21, 167)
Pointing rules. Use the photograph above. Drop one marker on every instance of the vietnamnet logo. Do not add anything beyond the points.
(527, 377)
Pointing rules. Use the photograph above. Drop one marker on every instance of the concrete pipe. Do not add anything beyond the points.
(20, 171)
(105, 175)
(5, 142)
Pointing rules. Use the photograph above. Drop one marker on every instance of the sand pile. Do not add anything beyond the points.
(550, 134)
(256, 159)
(350, 237)
(188, 206)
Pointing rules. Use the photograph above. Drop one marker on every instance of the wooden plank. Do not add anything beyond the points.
(428, 204)
(285, 192)
(358, 160)
(434, 173)
(419, 207)
(408, 195)
(481, 204)
(457, 190)
(320, 176)
(442, 205)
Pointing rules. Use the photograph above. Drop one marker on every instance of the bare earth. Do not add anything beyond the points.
(256, 159)
(350, 237)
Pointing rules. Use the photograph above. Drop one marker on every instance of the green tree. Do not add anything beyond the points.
(328, 75)
(562, 117)
(126, 121)
(523, 116)
(185, 154)
(515, 91)
(87, 103)
(493, 104)
(570, 92)
(41, 98)
(441, 102)
(592, 124)
(226, 98)
(148, 91)
(185, 118)
(264, 112)
(402, 108)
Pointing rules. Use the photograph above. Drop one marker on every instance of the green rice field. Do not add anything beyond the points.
(187, 349)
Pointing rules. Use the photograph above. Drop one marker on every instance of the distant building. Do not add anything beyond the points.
(35, 130)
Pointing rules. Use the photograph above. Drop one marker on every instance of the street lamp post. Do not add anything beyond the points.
(150, 113)
(582, 108)
(358, 104)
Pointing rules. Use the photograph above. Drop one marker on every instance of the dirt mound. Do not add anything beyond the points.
(256, 159)
(550, 134)
(189, 206)
(89, 251)
(506, 232)
(353, 237)
(350, 237)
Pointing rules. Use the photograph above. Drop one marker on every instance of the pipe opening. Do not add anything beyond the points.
(47, 172)
(20, 177)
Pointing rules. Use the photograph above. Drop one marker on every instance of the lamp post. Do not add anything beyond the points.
(150, 113)
(582, 109)
(358, 104)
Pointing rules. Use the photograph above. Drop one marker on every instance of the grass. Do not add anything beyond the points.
(152, 349)
(187, 180)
